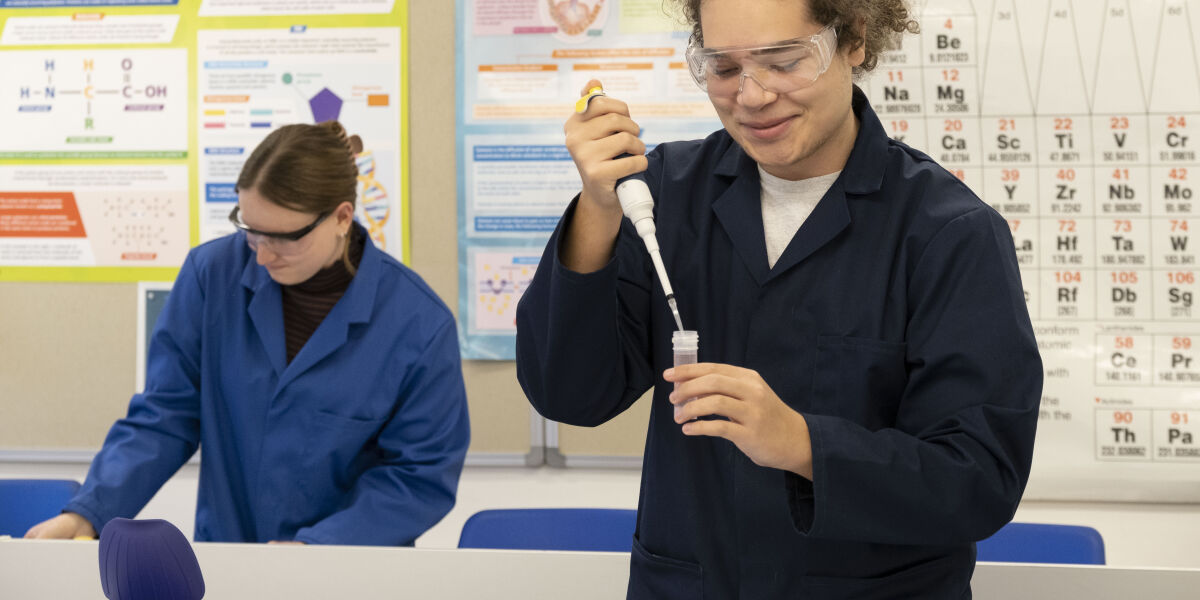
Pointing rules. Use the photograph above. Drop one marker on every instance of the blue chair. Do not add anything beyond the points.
(1042, 543)
(27, 502)
(148, 559)
(582, 529)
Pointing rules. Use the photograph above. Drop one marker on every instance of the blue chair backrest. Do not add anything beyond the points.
(27, 502)
(582, 529)
(1041, 543)
(148, 559)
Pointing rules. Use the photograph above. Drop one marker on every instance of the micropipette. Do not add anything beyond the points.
(638, 205)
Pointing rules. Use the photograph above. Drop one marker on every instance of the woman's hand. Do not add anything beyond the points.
(66, 526)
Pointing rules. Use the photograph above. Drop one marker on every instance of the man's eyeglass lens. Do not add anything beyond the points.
(780, 68)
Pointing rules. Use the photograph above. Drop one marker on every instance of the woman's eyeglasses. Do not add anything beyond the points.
(280, 242)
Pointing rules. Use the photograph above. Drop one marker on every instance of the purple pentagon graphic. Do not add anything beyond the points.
(326, 106)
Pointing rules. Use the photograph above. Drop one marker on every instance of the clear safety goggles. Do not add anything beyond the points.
(287, 243)
(780, 67)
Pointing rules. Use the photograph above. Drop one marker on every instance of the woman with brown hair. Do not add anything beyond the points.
(320, 375)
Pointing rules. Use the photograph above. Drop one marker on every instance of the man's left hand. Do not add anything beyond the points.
(760, 424)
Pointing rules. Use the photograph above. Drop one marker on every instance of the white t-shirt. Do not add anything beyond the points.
(785, 206)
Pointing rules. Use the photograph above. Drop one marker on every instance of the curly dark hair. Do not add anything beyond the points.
(884, 21)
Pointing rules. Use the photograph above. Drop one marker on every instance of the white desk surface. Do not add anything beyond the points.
(36, 570)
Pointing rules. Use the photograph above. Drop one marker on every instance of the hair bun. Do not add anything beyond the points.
(353, 143)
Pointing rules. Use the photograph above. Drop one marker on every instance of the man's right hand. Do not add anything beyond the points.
(66, 526)
(595, 138)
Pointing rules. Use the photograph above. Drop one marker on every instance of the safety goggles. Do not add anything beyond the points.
(780, 67)
(283, 243)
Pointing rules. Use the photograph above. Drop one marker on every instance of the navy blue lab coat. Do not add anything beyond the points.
(360, 439)
(894, 321)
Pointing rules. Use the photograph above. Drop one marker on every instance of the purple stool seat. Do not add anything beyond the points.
(148, 559)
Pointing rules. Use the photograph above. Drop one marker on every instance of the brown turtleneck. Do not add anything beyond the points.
(306, 304)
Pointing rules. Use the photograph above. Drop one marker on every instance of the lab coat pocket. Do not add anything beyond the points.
(859, 379)
(347, 432)
(335, 448)
(944, 577)
(341, 438)
(652, 576)
(353, 422)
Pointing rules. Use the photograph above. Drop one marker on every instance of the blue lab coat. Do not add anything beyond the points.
(359, 440)
(894, 321)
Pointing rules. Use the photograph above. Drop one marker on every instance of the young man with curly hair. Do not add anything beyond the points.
(865, 405)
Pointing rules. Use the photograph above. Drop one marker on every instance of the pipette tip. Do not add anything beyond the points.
(675, 311)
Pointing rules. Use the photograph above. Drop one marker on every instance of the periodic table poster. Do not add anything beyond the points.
(1078, 120)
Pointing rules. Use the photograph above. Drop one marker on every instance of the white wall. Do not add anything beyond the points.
(1158, 535)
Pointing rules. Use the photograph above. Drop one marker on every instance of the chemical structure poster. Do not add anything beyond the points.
(129, 122)
(94, 164)
(128, 103)
(521, 66)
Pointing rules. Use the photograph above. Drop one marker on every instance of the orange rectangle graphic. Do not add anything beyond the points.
(516, 68)
(234, 98)
(614, 66)
(40, 215)
(377, 99)
(612, 52)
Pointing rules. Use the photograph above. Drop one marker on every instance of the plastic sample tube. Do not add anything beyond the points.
(686, 347)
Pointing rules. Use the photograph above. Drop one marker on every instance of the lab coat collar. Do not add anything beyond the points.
(740, 211)
(735, 161)
(266, 313)
(863, 173)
